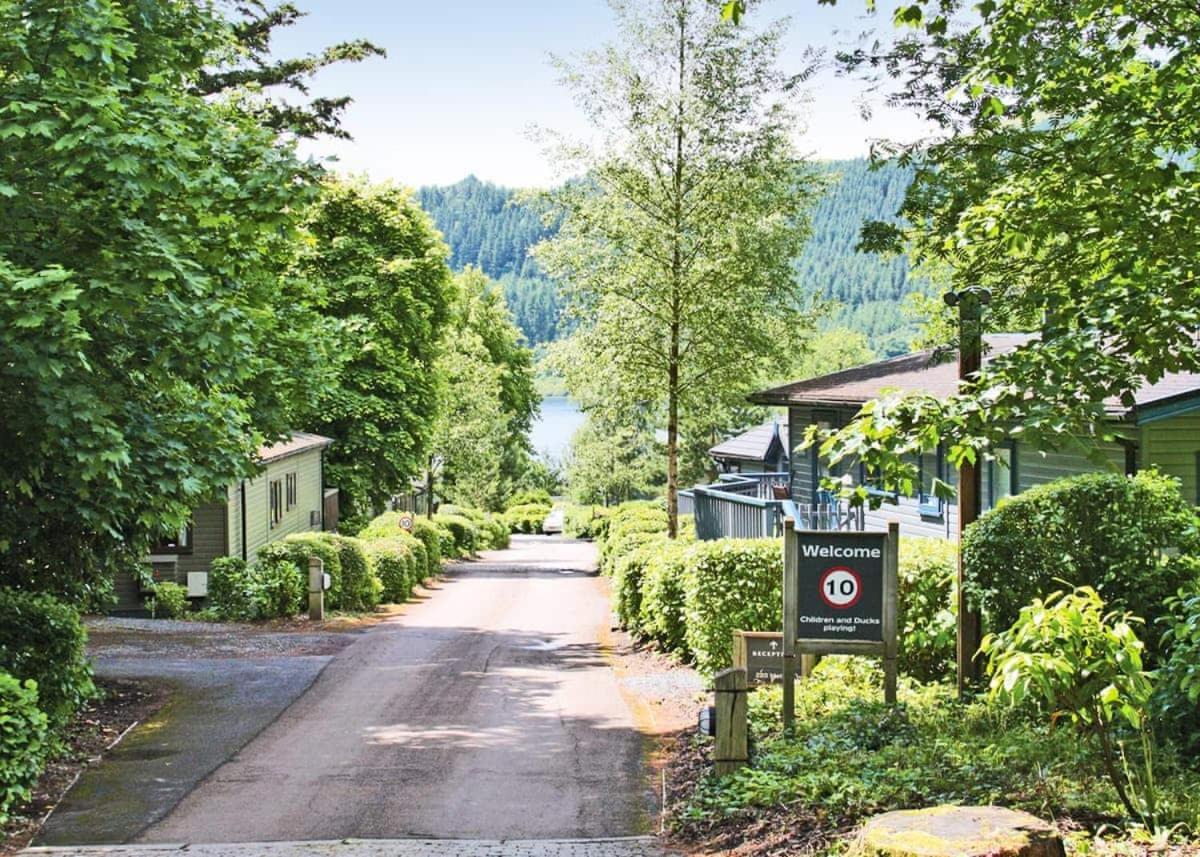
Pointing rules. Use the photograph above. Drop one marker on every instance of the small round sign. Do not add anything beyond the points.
(406, 522)
(841, 587)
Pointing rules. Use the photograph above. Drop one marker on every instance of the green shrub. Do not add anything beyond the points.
(527, 518)
(530, 497)
(1101, 530)
(663, 595)
(495, 533)
(465, 534)
(1177, 697)
(24, 741)
(427, 533)
(169, 600)
(928, 572)
(396, 564)
(229, 588)
(383, 526)
(732, 584)
(629, 519)
(628, 573)
(277, 588)
(360, 589)
(42, 639)
(300, 547)
(583, 522)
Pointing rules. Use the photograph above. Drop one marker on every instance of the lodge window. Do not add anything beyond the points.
(180, 542)
(290, 486)
(930, 466)
(276, 501)
(1002, 473)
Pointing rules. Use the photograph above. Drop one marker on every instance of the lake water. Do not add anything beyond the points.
(552, 431)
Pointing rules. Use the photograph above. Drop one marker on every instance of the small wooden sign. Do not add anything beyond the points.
(760, 654)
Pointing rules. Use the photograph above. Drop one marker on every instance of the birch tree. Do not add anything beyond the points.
(676, 242)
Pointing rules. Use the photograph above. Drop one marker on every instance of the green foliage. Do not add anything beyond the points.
(42, 639)
(928, 573)
(277, 588)
(397, 565)
(625, 528)
(427, 532)
(487, 397)
(462, 530)
(529, 497)
(581, 522)
(151, 335)
(168, 600)
(1105, 531)
(684, 107)
(298, 548)
(360, 589)
(377, 264)
(661, 616)
(526, 519)
(24, 741)
(1084, 665)
(732, 584)
(852, 757)
(1177, 698)
(229, 587)
(613, 460)
(628, 571)
(1063, 178)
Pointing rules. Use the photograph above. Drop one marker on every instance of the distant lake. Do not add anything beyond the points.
(552, 431)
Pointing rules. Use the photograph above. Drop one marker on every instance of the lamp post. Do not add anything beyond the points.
(970, 303)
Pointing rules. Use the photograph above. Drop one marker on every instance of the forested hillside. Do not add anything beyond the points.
(485, 227)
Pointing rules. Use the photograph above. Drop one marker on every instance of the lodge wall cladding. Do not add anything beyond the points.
(309, 497)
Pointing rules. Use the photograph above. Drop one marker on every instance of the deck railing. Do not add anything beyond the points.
(743, 506)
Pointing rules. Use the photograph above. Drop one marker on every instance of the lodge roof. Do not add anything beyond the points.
(752, 445)
(298, 442)
(920, 372)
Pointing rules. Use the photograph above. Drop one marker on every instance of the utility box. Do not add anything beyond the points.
(197, 584)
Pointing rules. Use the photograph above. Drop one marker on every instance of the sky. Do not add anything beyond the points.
(465, 81)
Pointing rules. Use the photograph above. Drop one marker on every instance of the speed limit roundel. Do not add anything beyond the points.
(841, 587)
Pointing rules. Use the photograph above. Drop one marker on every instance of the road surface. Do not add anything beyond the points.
(487, 711)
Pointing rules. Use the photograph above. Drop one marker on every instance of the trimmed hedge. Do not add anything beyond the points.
(42, 640)
(278, 588)
(664, 592)
(1101, 530)
(397, 565)
(628, 572)
(299, 547)
(427, 532)
(527, 518)
(462, 530)
(169, 599)
(928, 572)
(583, 522)
(24, 740)
(229, 587)
(274, 587)
(530, 497)
(360, 589)
(731, 584)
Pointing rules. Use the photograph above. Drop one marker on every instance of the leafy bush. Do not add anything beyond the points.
(1101, 530)
(1177, 698)
(360, 589)
(1084, 665)
(277, 588)
(299, 548)
(383, 526)
(462, 529)
(527, 518)
(495, 533)
(629, 519)
(396, 564)
(582, 522)
(628, 573)
(24, 741)
(663, 595)
(168, 600)
(42, 639)
(229, 588)
(928, 574)
(530, 497)
(427, 533)
(731, 584)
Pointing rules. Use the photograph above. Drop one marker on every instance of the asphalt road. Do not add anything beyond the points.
(488, 711)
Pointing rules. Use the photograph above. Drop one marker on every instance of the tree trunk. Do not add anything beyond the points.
(673, 437)
(676, 277)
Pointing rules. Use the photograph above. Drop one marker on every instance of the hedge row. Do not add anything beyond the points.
(44, 679)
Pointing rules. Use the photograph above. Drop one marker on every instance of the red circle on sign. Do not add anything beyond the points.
(839, 576)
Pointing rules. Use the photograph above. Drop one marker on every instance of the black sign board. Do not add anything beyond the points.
(760, 654)
(840, 593)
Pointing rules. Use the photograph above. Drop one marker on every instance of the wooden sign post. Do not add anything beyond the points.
(839, 597)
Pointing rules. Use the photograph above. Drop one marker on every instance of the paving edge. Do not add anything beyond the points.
(332, 844)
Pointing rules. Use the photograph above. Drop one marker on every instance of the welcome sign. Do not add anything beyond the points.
(840, 591)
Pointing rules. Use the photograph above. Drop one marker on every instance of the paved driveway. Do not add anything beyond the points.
(488, 711)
